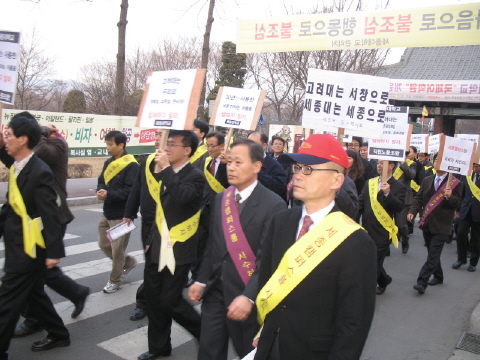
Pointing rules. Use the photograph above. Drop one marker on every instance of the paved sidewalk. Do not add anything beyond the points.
(473, 328)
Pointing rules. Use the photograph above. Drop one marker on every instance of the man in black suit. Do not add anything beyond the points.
(469, 222)
(29, 252)
(438, 201)
(227, 299)
(319, 302)
(171, 246)
(390, 195)
(272, 175)
(201, 129)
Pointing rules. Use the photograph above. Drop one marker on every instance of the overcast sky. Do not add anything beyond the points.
(78, 32)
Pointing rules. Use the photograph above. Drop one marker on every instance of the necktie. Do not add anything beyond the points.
(307, 221)
(237, 199)
(212, 167)
(476, 179)
(437, 183)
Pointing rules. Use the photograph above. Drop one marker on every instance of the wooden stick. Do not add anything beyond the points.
(227, 140)
(340, 133)
(163, 145)
(385, 171)
(449, 181)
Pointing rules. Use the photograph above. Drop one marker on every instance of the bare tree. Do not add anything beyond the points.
(98, 84)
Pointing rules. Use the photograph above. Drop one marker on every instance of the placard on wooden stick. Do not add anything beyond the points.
(455, 155)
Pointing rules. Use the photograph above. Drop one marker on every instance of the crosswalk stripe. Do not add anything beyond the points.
(81, 248)
(66, 237)
(95, 209)
(95, 267)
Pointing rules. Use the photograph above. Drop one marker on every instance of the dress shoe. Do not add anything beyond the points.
(80, 304)
(147, 356)
(47, 344)
(381, 290)
(435, 281)
(471, 268)
(419, 288)
(24, 330)
(457, 264)
(405, 248)
(138, 314)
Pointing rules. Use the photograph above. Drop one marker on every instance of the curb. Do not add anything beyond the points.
(474, 327)
(83, 200)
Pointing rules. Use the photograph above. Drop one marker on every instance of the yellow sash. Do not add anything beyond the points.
(32, 228)
(179, 233)
(116, 166)
(380, 213)
(431, 167)
(397, 174)
(214, 183)
(302, 257)
(201, 150)
(473, 188)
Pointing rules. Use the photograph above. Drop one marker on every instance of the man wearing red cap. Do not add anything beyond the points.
(318, 269)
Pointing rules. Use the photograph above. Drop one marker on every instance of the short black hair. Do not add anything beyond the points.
(24, 124)
(263, 137)
(255, 150)
(118, 137)
(202, 126)
(414, 148)
(219, 136)
(424, 154)
(189, 139)
(278, 138)
(359, 139)
(364, 144)
(435, 156)
(393, 162)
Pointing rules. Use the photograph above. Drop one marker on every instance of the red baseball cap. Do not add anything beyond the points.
(319, 149)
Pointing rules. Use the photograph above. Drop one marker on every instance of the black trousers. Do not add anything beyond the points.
(18, 290)
(141, 297)
(382, 278)
(202, 233)
(401, 222)
(463, 245)
(433, 265)
(217, 328)
(164, 303)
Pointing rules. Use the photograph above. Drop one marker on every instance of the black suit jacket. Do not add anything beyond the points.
(392, 203)
(328, 315)
(470, 202)
(440, 220)
(258, 209)
(273, 177)
(181, 197)
(37, 186)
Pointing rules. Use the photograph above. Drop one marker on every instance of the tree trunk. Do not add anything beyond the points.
(120, 77)
(205, 52)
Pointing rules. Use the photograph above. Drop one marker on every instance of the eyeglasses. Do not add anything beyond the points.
(353, 145)
(211, 146)
(173, 145)
(307, 169)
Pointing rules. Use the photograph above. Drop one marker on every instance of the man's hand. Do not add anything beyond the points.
(127, 220)
(457, 214)
(161, 159)
(50, 263)
(385, 188)
(447, 193)
(52, 127)
(194, 292)
(255, 342)
(223, 157)
(410, 217)
(102, 194)
(240, 308)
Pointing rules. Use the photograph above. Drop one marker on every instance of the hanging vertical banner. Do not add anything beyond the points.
(420, 141)
(237, 108)
(355, 102)
(434, 143)
(9, 54)
(429, 26)
(455, 155)
(170, 99)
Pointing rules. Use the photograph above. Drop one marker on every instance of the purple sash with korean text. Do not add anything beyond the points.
(237, 244)
(437, 199)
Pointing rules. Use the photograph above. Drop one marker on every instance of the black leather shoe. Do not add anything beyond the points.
(419, 288)
(24, 330)
(471, 268)
(381, 290)
(147, 356)
(457, 264)
(435, 281)
(405, 248)
(138, 314)
(79, 305)
(47, 344)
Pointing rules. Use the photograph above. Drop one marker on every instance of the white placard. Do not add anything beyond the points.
(355, 102)
(236, 108)
(456, 156)
(9, 54)
(434, 143)
(420, 142)
(468, 137)
(393, 142)
(167, 99)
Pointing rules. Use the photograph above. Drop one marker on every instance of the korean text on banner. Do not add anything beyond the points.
(468, 137)
(9, 54)
(170, 99)
(434, 143)
(395, 136)
(237, 108)
(455, 156)
(355, 102)
(431, 26)
(420, 142)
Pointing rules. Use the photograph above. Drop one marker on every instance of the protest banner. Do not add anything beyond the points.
(429, 26)
(434, 143)
(468, 137)
(420, 141)
(9, 54)
(455, 155)
(354, 102)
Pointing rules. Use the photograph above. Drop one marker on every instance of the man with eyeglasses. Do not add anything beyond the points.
(317, 274)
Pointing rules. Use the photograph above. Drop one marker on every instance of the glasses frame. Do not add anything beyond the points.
(212, 146)
(297, 168)
(170, 145)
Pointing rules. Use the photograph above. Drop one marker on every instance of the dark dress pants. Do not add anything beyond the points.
(382, 278)
(18, 290)
(141, 297)
(401, 222)
(164, 303)
(202, 233)
(217, 328)
(464, 227)
(433, 265)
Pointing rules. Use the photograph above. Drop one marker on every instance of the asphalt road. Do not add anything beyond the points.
(407, 326)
